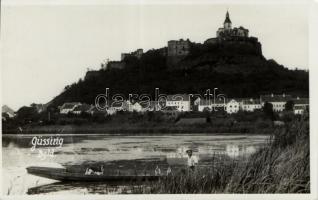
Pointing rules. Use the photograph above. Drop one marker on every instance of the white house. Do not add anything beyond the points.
(278, 101)
(232, 106)
(69, 107)
(81, 108)
(299, 110)
(133, 106)
(250, 105)
(210, 105)
(180, 101)
(300, 105)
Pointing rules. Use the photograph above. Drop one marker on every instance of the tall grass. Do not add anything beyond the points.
(280, 167)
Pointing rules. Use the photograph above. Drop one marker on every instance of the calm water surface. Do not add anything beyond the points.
(121, 154)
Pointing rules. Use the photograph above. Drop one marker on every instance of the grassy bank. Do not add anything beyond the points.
(280, 167)
(149, 122)
(140, 128)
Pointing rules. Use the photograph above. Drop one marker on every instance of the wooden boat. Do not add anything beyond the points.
(61, 174)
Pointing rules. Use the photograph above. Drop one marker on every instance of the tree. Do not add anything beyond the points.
(289, 106)
(268, 110)
(26, 113)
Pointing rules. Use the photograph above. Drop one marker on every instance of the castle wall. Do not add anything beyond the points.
(116, 65)
(138, 53)
(91, 74)
(178, 47)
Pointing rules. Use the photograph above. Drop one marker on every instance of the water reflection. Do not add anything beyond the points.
(120, 153)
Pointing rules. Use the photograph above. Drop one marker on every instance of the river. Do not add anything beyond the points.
(123, 154)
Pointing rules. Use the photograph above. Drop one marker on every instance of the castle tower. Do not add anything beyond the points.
(227, 22)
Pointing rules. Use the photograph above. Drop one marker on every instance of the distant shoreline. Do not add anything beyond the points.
(129, 129)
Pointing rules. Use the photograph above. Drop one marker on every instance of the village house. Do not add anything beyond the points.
(278, 101)
(299, 110)
(69, 107)
(133, 106)
(83, 108)
(232, 106)
(300, 105)
(180, 101)
(150, 106)
(250, 105)
(210, 105)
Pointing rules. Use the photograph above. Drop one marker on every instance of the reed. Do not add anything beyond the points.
(280, 167)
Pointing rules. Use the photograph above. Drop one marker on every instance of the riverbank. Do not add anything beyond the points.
(281, 166)
(150, 122)
(143, 128)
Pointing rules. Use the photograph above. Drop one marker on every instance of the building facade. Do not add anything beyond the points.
(250, 105)
(179, 47)
(278, 101)
(69, 107)
(210, 105)
(180, 101)
(301, 105)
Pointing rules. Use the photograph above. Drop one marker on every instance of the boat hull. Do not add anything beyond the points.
(64, 175)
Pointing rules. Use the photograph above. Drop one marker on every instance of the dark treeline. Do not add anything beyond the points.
(241, 72)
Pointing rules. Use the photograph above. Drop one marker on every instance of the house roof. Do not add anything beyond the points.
(301, 101)
(70, 105)
(178, 97)
(205, 102)
(251, 101)
(232, 100)
(83, 107)
(276, 98)
(299, 107)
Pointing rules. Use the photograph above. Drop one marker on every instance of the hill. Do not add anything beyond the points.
(236, 68)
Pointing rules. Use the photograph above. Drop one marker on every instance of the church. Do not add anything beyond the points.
(227, 32)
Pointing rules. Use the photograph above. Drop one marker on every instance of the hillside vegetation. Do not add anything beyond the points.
(237, 70)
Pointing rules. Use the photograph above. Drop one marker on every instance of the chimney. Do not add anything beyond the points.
(272, 95)
(284, 95)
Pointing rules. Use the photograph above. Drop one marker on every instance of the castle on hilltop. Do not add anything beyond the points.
(227, 33)
(176, 50)
(181, 48)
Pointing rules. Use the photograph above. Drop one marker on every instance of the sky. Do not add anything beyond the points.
(46, 47)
